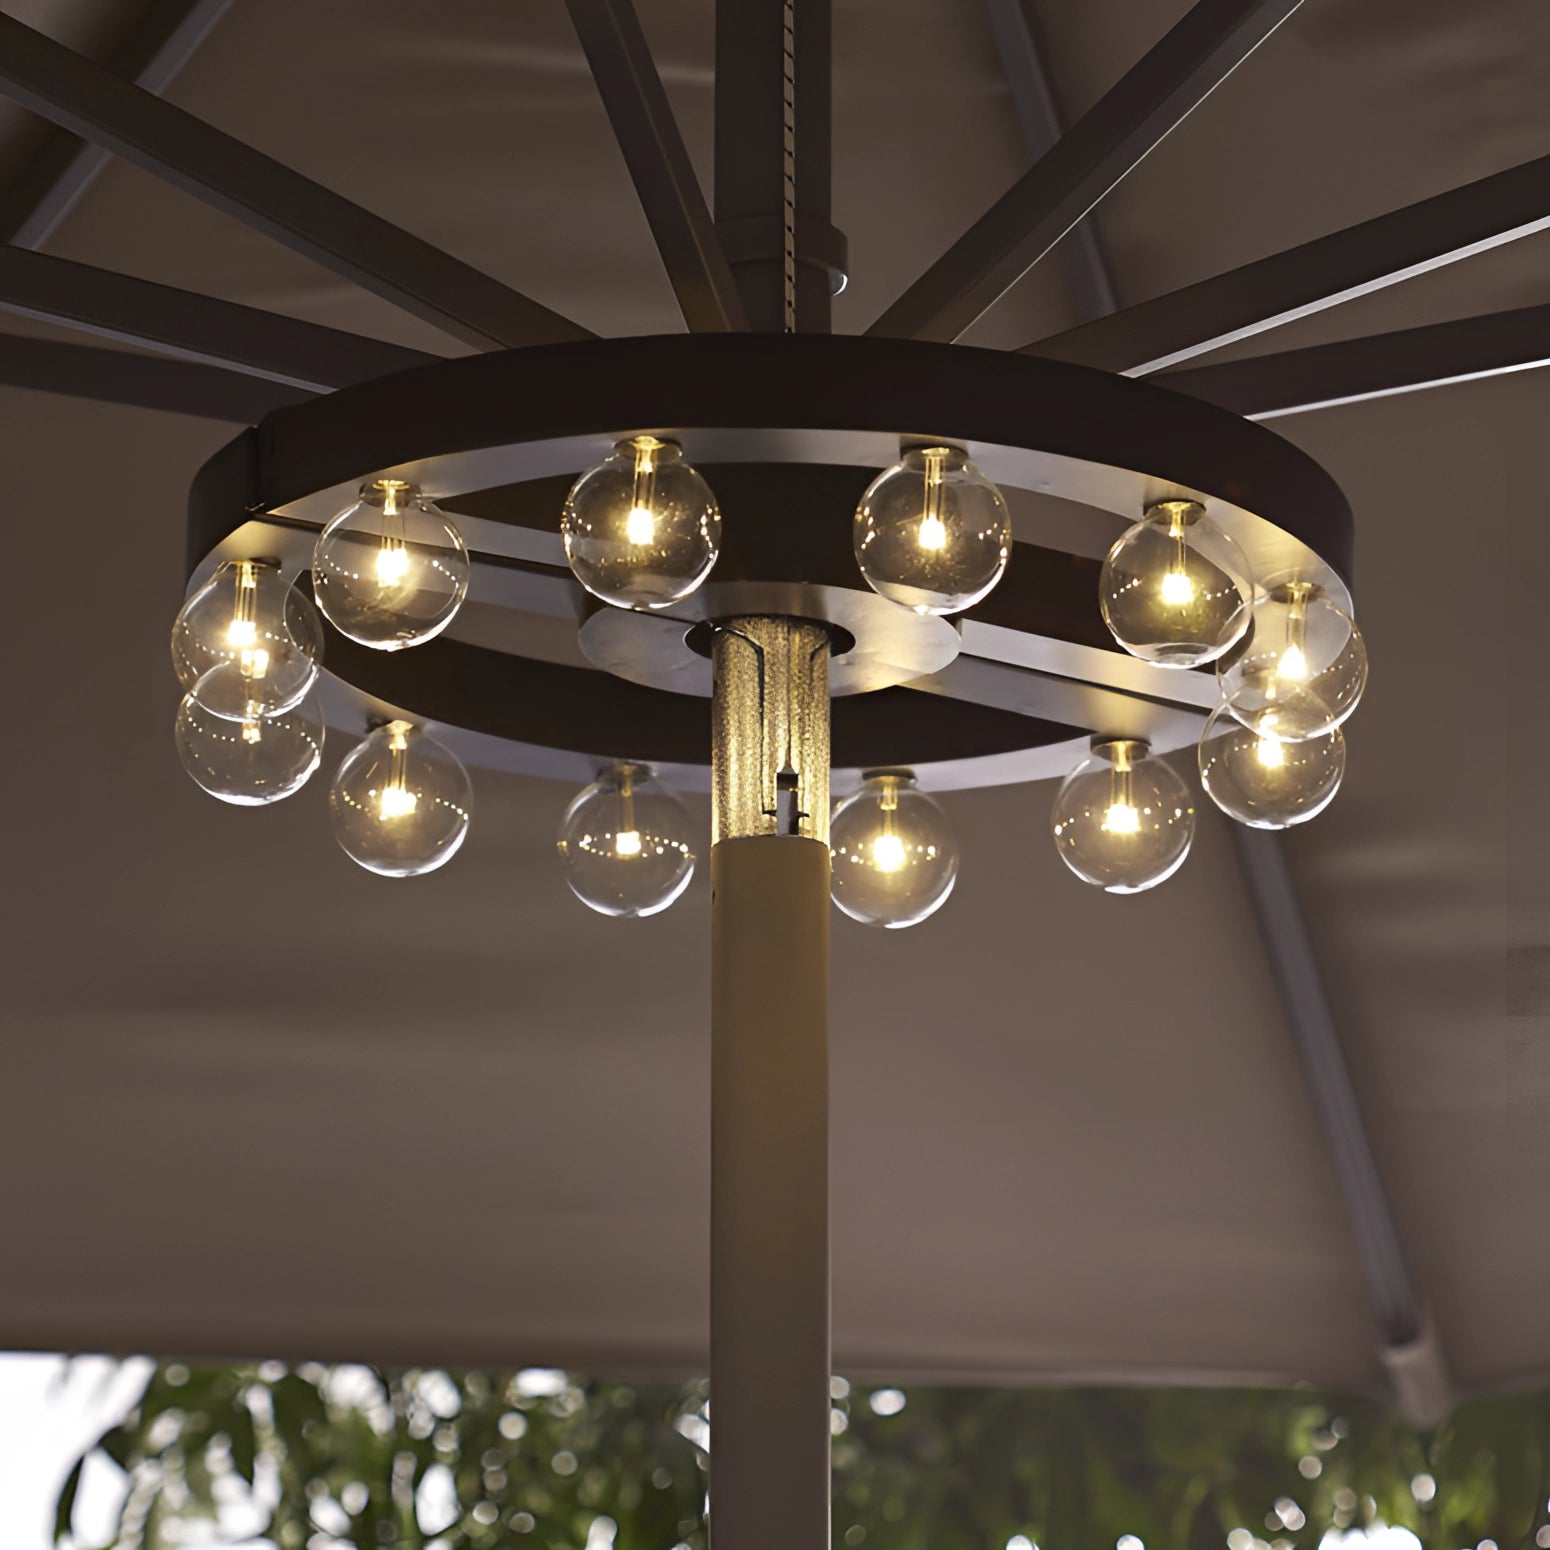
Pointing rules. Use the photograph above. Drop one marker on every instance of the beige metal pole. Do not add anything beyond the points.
(770, 1367)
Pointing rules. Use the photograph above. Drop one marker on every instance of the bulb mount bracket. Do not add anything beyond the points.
(788, 430)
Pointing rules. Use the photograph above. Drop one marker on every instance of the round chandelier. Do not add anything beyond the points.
(757, 561)
(625, 508)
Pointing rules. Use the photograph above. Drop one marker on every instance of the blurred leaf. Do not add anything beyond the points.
(244, 1441)
(120, 1445)
(64, 1508)
(953, 1469)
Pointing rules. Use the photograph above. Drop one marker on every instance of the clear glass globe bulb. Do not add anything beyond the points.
(400, 802)
(248, 763)
(247, 643)
(932, 533)
(1263, 781)
(1122, 820)
(1175, 588)
(1301, 669)
(895, 859)
(392, 570)
(642, 529)
(625, 844)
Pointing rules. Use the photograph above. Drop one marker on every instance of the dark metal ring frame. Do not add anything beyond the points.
(534, 677)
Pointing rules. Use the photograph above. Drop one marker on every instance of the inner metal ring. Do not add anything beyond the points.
(888, 644)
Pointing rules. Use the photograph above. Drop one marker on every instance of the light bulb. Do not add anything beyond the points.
(1123, 820)
(894, 856)
(392, 570)
(642, 529)
(626, 844)
(932, 533)
(1301, 669)
(400, 802)
(1264, 782)
(248, 763)
(247, 643)
(1175, 588)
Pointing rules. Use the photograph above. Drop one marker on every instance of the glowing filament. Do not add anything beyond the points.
(1178, 591)
(252, 731)
(640, 525)
(932, 534)
(889, 852)
(396, 800)
(627, 840)
(393, 554)
(392, 565)
(1122, 818)
(242, 632)
(1269, 752)
(1292, 665)
(1122, 815)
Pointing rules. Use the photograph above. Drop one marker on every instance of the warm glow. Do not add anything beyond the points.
(888, 853)
(1122, 818)
(392, 563)
(396, 799)
(1178, 591)
(1293, 665)
(1270, 753)
(932, 533)
(640, 522)
(397, 802)
(252, 732)
(242, 632)
(627, 842)
(640, 526)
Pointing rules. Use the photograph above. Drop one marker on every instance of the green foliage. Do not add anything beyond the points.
(353, 1456)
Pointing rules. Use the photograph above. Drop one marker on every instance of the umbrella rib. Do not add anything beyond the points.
(47, 189)
(140, 381)
(1355, 371)
(1408, 1346)
(192, 327)
(1301, 281)
(55, 82)
(658, 162)
(1159, 91)
(1080, 251)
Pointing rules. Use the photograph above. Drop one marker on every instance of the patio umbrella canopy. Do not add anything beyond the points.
(258, 1102)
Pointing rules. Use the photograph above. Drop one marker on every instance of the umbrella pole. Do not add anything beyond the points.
(770, 1367)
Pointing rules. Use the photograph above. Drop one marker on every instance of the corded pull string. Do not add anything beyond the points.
(789, 171)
